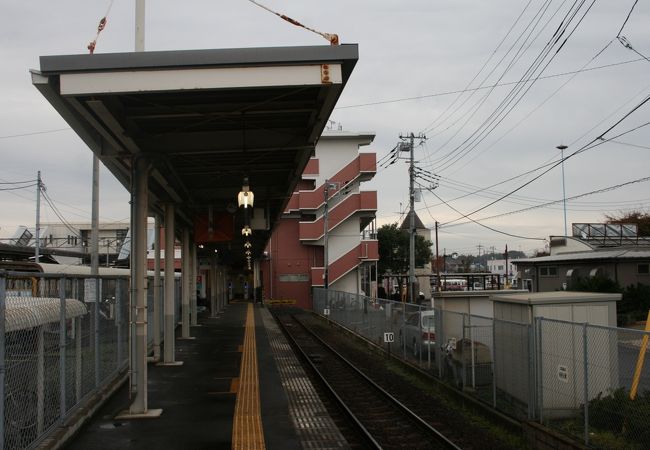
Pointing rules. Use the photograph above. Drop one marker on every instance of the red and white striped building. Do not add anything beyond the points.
(295, 251)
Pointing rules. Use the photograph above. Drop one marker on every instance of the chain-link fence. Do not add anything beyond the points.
(576, 378)
(593, 383)
(62, 338)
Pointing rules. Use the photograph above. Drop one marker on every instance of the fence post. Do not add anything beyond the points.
(472, 355)
(3, 292)
(78, 358)
(404, 330)
(494, 363)
(40, 380)
(440, 340)
(118, 320)
(540, 373)
(531, 372)
(98, 296)
(585, 369)
(62, 350)
(463, 358)
(420, 329)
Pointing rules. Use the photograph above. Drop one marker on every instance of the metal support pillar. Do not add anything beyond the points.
(139, 200)
(213, 287)
(186, 283)
(193, 277)
(157, 298)
(169, 325)
(224, 291)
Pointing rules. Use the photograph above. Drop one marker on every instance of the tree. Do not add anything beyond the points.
(394, 249)
(642, 219)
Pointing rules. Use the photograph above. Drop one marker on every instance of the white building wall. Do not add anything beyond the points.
(571, 245)
(343, 238)
(498, 266)
(334, 152)
(347, 283)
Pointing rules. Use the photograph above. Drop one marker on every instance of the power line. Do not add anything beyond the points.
(483, 225)
(33, 133)
(627, 18)
(531, 112)
(593, 143)
(508, 83)
(515, 96)
(17, 187)
(516, 57)
(430, 127)
(575, 197)
(633, 145)
(58, 213)
(18, 182)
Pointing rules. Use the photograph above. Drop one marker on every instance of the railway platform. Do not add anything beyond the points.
(240, 387)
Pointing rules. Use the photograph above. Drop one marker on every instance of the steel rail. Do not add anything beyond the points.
(364, 431)
(413, 416)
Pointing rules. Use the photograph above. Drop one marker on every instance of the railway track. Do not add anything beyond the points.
(380, 419)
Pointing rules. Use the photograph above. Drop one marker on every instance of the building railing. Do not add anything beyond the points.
(573, 377)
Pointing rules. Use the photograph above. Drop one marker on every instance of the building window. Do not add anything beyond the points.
(643, 269)
(293, 277)
(548, 271)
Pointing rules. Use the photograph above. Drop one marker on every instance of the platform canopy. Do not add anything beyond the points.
(205, 119)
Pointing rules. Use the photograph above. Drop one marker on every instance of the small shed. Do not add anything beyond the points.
(553, 351)
(476, 303)
(591, 307)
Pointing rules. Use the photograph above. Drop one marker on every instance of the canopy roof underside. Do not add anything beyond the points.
(204, 119)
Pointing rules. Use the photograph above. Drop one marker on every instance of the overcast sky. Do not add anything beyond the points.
(413, 56)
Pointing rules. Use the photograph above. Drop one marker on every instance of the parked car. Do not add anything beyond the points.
(419, 332)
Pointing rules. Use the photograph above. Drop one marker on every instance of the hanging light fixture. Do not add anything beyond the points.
(246, 231)
(246, 196)
(248, 244)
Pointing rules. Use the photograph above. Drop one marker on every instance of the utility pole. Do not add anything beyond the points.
(37, 241)
(94, 220)
(411, 144)
(411, 225)
(437, 261)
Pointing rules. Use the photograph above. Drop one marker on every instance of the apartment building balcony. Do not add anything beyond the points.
(367, 250)
(364, 203)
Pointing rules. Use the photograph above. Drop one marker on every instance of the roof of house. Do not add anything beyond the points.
(556, 297)
(418, 223)
(596, 255)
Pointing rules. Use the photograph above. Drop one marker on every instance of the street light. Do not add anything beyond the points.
(561, 148)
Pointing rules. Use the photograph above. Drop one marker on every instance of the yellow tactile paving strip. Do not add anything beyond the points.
(247, 430)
